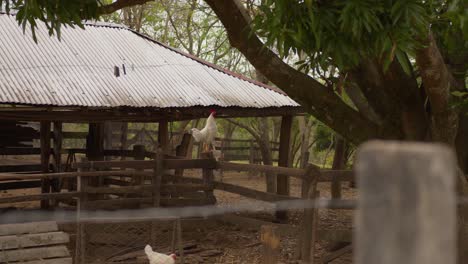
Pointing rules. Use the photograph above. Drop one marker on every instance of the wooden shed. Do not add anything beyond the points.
(109, 73)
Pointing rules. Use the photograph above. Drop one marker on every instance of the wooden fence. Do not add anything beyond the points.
(104, 185)
(401, 187)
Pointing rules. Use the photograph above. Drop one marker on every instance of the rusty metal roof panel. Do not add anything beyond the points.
(78, 70)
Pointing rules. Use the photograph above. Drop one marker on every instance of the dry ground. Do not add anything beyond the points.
(233, 244)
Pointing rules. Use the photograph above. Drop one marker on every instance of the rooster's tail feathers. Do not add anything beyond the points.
(197, 135)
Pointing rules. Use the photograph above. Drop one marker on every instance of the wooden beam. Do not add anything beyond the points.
(45, 159)
(28, 228)
(292, 172)
(251, 193)
(38, 197)
(203, 163)
(33, 240)
(35, 253)
(282, 181)
(17, 177)
(19, 185)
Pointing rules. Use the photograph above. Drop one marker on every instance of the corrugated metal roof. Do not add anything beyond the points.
(79, 71)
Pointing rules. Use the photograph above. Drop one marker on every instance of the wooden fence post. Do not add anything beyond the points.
(80, 243)
(407, 204)
(156, 180)
(45, 159)
(208, 178)
(271, 244)
(310, 219)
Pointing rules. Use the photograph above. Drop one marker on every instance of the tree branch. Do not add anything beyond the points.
(438, 84)
(119, 4)
(317, 99)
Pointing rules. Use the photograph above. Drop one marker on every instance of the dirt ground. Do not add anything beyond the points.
(225, 243)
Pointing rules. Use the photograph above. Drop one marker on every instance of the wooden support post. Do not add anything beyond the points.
(310, 218)
(57, 153)
(108, 137)
(45, 159)
(95, 142)
(163, 136)
(407, 204)
(82, 183)
(156, 180)
(269, 236)
(123, 137)
(95, 148)
(138, 154)
(309, 228)
(208, 178)
(251, 152)
(182, 151)
(283, 161)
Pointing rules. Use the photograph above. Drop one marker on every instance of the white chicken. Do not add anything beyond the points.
(208, 134)
(158, 258)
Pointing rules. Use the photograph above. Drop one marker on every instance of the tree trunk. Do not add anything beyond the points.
(338, 164)
(265, 149)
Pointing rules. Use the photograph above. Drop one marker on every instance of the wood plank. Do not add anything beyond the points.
(251, 193)
(292, 172)
(20, 151)
(28, 228)
(165, 189)
(13, 177)
(20, 168)
(19, 185)
(130, 164)
(33, 240)
(34, 253)
(38, 197)
(190, 164)
(131, 202)
(341, 175)
(49, 261)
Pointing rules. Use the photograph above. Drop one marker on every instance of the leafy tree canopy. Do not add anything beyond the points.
(341, 32)
(53, 13)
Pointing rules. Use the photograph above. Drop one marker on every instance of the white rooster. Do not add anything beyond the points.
(208, 134)
(158, 258)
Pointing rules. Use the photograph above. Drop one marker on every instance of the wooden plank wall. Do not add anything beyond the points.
(39, 242)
